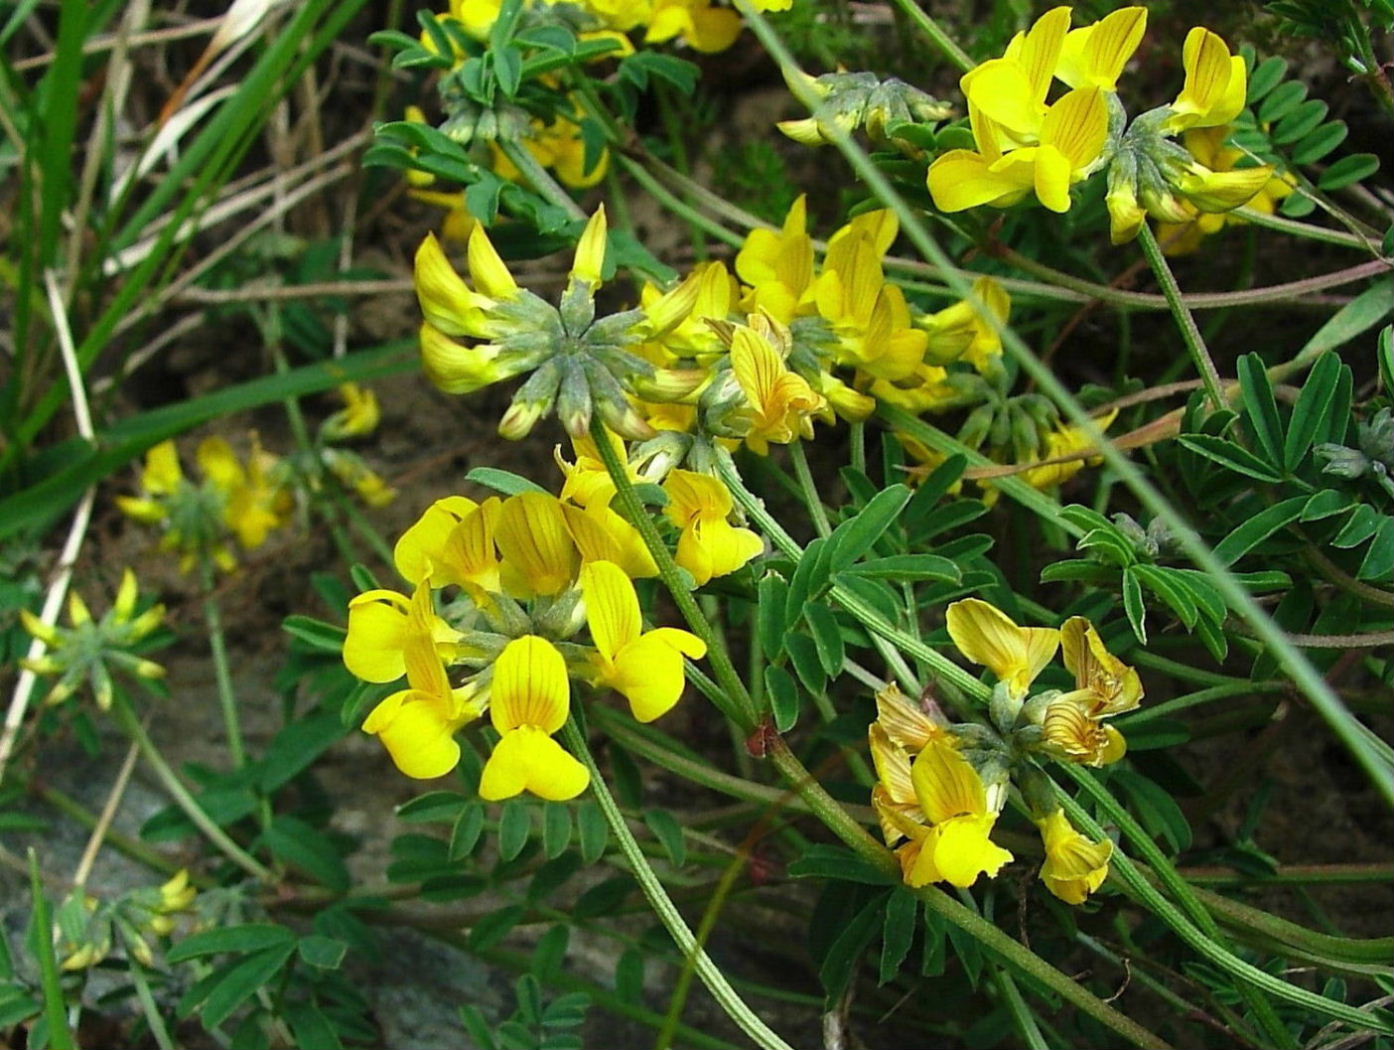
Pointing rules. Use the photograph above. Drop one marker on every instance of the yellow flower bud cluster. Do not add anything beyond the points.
(89, 650)
(86, 928)
(940, 786)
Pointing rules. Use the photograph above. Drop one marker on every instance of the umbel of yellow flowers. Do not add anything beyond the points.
(941, 786)
(1028, 145)
(501, 593)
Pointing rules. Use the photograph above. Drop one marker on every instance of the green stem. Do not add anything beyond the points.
(1181, 314)
(1308, 230)
(945, 43)
(663, 906)
(227, 696)
(676, 205)
(149, 1007)
(1142, 890)
(60, 1036)
(122, 843)
(538, 178)
(809, 489)
(182, 797)
(738, 704)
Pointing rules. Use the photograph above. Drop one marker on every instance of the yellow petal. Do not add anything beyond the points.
(125, 604)
(539, 557)
(530, 687)
(1001, 90)
(1052, 179)
(377, 628)
(601, 534)
(1077, 125)
(422, 547)
(963, 850)
(446, 301)
(892, 765)
(417, 732)
(528, 759)
(161, 475)
(458, 369)
(590, 250)
(1075, 866)
(713, 29)
(487, 269)
(1040, 49)
(988, 636)
(962, 179)
(612, 607)
(649, 671)
(714, 547)
(946, 784)
(904, 722)
(220, 464)
(1113, 686)
(1095, 55)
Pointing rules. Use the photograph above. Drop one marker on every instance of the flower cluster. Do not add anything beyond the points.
(1028, 145)
(940, 786)
(86, 927)
(501, 590)
(90, 649)
(700, 24)
(246, 501)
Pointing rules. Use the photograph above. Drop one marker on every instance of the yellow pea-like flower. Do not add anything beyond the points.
(646, 667)
(452, 543)
(956, 848)
(709, 544)
(1105, 683)
(1216, 84)
(417, 725)
(1075, 866)
(1095, 55)
(378, 628)
(601, 534)
(530, 699)
(988, 636)
(781, 404)
(1072, 733)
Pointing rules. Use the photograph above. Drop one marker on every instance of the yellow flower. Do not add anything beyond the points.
(988, 636)
(1011, 91)
(417, 725)
(1105, 684)
(452, 543)
(905, 723)
(1095, 55)
(539, 555)
(587, 480)
(646, 667)
(359, 416)
(781, 404)
(951, 793)
(1216, 163)
(703, 27)
(257, 503)
(1072, 733)
(962, 333)
(380, 622)
(530, 699)
(601, 534)
(709, 544)
(1067, 441)
(1216, 84)
(450, 306)
(893, 796)
(778, 266)
(1074, 866)
(1072, 137)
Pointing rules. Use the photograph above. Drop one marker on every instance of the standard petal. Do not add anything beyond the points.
(612, 607)
(946, 784)
(422, 547)
(988, 636)
(538, 553)
(487, 269)
(162, 474)
(530, 687)
(962, 179)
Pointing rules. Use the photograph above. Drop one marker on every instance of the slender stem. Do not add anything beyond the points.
(710, 974)
(945, 43)
(739, 705)
(123, 844)
(1190, 333)
(1146, 894)
(676, 205)
(809, 489)
(538, 178)
(183, 798)
(1308, 230)
(150, 1008)
(227, 695)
